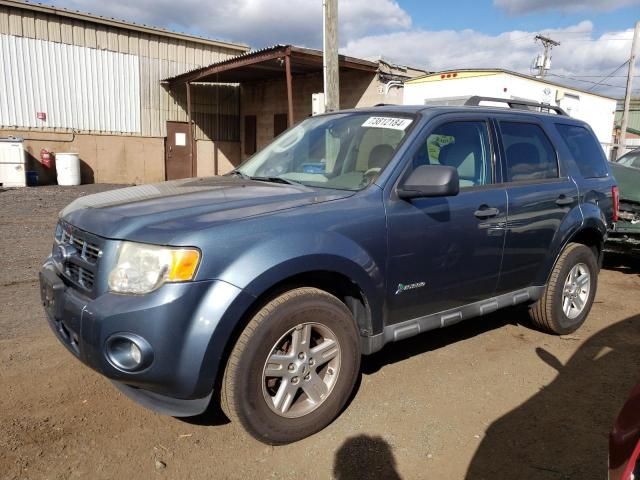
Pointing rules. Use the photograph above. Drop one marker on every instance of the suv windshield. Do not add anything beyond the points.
(345, 151)
(631, 159)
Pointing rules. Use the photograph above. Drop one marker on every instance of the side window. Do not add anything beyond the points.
(462, 145)
(585, 150)
(530, 154)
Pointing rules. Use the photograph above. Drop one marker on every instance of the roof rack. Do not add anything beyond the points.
(516, 104)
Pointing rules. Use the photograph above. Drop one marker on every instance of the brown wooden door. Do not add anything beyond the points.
(176, 151)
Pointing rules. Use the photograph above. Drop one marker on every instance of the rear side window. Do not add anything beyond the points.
(530, 154)
(585, 150)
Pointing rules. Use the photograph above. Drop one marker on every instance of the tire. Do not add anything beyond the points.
(250, 395)
(549, 313)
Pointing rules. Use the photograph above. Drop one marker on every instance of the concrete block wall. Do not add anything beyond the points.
(103, 158)
(216, 158)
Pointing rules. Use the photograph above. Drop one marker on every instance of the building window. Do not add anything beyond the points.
(250, 127)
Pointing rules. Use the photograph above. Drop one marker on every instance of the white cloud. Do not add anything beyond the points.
(374, 28)
(580, 55)
(528, 6)
(256, 22)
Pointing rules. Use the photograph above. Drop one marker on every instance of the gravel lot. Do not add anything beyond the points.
(490, 398)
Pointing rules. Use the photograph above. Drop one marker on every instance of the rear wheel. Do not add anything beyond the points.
(568, 297)
(293, 367)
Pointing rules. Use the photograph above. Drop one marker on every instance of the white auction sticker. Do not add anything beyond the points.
(388, 122)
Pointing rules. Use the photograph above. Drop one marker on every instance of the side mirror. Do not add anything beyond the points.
(430, 181)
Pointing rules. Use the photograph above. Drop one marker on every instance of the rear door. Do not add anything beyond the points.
(540, 195)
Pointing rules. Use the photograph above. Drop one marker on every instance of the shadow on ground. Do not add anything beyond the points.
(622, 263)
(562, 432)
(365, 457)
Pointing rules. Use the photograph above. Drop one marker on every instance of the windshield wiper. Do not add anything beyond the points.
(277, 180)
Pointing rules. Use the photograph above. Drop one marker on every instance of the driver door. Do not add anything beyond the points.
(445, 252)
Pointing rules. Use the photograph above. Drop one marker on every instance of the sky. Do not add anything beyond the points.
(594, 35)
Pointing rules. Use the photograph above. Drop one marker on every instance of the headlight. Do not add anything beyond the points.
(142, 268)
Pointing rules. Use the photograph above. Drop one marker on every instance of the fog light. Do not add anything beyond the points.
(129, 352)
(136, 354)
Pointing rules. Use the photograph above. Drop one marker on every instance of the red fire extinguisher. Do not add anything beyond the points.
(46, 158)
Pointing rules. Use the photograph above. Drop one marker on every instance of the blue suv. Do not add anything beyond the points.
(261, 289)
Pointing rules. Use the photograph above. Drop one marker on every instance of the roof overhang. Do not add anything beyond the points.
(267, 64)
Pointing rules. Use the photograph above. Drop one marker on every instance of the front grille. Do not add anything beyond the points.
(80, 275)
(77, 254)
(87, 250)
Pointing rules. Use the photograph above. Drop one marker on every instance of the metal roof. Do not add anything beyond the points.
(493, 71)
(114, 22)
(265, 64)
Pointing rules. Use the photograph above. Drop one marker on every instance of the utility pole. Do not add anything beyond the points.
(330, 58)
(627, 95)
(545, 63)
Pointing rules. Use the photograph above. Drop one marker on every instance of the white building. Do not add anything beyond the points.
(455, 86)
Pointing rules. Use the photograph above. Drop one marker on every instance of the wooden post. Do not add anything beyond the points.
(627, 96)
(190, 129)
(287, 65)
(330, 55)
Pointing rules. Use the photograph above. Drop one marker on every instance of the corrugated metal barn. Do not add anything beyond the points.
(77, 82)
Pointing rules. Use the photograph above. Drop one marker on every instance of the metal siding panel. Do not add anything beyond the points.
(78, 33)
(123, 42)
(112, 38)
(133, 43)
(28, 24)
(90, 37)
(102, 38)
(66, 31)
(15, 23)
(79, 88)
(53, 28)
(4, 20)
(42, 31)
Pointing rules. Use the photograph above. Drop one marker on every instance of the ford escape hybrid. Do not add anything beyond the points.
(261, 289)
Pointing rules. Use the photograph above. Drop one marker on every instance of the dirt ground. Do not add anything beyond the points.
(490, 398)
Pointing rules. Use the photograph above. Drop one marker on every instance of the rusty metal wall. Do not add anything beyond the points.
(158, 57)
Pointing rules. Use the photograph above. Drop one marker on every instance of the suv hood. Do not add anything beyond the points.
(159, 212)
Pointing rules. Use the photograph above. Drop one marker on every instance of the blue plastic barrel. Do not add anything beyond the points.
(32, 178)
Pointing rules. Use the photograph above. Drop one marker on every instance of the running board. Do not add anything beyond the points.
(409, 328)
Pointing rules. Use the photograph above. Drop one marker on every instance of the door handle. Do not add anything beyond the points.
(564, 200)
(486, 212)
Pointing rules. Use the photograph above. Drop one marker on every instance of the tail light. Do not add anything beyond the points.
(615, 194)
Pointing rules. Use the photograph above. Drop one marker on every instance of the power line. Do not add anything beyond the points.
(627, 61)
(594, 84)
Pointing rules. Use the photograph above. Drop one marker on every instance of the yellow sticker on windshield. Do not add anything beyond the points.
(388, 122)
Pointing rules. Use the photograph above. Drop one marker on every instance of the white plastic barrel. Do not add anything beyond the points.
(68, 168)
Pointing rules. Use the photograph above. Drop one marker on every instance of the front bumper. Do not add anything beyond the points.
(186, 325)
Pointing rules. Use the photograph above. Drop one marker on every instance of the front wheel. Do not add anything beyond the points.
(568, 297)
(293, 367)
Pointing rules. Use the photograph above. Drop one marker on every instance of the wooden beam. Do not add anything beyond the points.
(287, 64)
(190, 130)
(330, 52)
